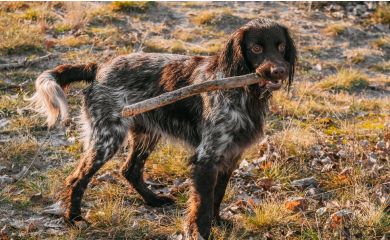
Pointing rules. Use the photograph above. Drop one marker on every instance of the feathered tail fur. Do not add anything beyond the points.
(49, 98)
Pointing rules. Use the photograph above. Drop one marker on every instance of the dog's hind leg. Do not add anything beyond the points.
(141, 145)
(108, 136)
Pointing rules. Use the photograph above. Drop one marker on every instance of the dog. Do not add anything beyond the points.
(218, 125)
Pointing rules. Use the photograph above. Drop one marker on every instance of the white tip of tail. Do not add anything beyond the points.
(49, 99)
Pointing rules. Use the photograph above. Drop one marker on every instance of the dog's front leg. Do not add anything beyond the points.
(204, 178)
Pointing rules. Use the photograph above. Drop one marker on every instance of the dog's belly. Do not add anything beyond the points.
(181, 120)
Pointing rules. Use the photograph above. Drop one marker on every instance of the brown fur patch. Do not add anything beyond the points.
(178, 74)
(67, 73)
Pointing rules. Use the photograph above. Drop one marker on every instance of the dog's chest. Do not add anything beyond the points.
(240, 116)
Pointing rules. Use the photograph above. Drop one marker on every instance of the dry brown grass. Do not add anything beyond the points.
(335, 29)
(381, 42)
(206, 17)
(18, 152)
(345, 79)
(71, 41)
(75, 16)
(295, 140)
(132, 6)
(382, 14)
(271, 214)
(18, 36)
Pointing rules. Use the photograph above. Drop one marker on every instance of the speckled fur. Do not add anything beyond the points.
(218, 125)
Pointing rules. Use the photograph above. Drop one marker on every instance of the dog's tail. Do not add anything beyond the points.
(49, 98)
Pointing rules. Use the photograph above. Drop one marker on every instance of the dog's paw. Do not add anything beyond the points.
(78, 222)
(192, 232)
(160, 201)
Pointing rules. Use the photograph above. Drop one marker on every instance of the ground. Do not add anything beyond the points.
(321, 172)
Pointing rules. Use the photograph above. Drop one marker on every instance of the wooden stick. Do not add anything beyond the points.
(26, 63)
(188, 91)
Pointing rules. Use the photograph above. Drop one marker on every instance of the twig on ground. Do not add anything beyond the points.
(20, 85)
(26, 63)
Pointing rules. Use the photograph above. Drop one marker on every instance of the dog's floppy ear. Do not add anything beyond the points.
(231, 60)
(290, 56)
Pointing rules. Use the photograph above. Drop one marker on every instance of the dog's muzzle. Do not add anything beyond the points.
(272, 76)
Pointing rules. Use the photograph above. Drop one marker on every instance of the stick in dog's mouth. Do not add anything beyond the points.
(265, 82)
(272, 85)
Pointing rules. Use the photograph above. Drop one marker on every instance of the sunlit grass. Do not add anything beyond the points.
(206, 17)
(335, 29)
(17, 36)
(271, 214)
(345, 79)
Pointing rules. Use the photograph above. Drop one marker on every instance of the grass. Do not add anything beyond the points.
(382, 42)
(382, 66)
(208, 16)
(9, 104)
(71, 41)
(335, 29)
(169, 162)
(186, 35)
(295, 140)
(75, 17)
(270, 214)
(382, 14)
(18, 152)
(204, 18)
(165, 45)
(133, 6)
(19, 36)
(278, 171)
(346, 79)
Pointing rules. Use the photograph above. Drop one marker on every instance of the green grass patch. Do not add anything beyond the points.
(346, 79)
(132, 6)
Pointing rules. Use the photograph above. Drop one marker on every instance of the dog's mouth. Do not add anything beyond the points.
(269, 82)
(273, 85)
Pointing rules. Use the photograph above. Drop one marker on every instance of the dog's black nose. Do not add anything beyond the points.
(278, 72)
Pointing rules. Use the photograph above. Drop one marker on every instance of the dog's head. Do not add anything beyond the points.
(264, 47)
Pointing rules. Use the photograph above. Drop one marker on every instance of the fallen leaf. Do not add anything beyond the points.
(296, 204)
(337, 219)
(266, 165)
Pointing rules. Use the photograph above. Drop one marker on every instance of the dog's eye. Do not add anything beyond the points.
(257, 49)
(281, 47)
